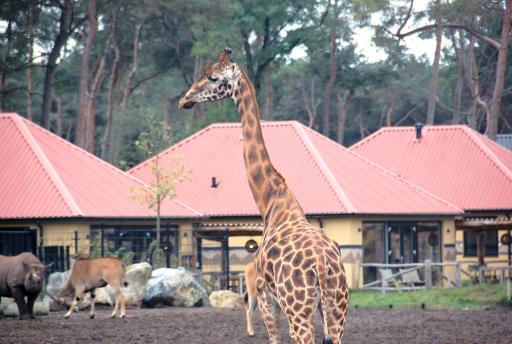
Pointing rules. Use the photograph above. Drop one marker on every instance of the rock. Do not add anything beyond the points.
(225, 299)
(56, 281)
(10, 309)
(174, 287)
(137, 276)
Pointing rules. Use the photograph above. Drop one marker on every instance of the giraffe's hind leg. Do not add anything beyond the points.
(337, 314)
(301, 315)
(269, 310)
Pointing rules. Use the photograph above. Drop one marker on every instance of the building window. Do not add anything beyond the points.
(490, 240)
(374, 248)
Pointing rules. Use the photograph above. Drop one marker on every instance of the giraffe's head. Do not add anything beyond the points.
(217, 82)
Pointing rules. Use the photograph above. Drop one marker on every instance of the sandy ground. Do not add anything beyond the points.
(210, 325)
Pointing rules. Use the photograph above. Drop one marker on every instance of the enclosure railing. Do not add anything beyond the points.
(488, 273)
(397, 280)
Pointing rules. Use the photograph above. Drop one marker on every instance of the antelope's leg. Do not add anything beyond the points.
(79, 292)
(93, 303)
(122, 304)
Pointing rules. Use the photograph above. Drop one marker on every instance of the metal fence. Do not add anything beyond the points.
(413, 276)
(132, 245)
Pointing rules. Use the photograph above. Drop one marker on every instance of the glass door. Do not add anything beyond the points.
(402, 245)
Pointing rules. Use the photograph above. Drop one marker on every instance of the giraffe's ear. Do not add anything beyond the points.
(225, 56)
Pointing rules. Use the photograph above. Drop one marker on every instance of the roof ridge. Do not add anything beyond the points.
(367, 139)
(86, 153)
(187, 207)
(488, 152)
(384, 170)
(324, 168)
(46, 165)
(105, 163)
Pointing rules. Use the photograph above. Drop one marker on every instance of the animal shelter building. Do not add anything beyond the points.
(463, 167)
(58, 200)
(350, 197)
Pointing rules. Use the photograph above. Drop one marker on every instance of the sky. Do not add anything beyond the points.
(372, 53)
(363, 38)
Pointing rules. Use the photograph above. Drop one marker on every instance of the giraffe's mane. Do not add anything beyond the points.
(208, 69)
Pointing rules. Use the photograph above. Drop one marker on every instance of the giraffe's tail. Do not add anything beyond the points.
(325, 304)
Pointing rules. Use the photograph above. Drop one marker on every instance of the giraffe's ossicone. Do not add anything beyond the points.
(298, 268)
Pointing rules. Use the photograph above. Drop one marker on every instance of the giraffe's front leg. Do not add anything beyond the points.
(269, 310)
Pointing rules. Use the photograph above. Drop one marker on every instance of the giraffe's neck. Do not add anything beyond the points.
(266, 183)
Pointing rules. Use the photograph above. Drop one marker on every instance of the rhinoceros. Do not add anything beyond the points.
(21, 276)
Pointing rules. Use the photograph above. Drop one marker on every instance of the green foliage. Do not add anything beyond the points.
(179, 37)
(469, 297)
(122, 253)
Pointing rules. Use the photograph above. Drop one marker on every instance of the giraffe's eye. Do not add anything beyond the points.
(212, 78)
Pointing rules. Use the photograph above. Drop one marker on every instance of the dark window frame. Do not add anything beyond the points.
(471, 250)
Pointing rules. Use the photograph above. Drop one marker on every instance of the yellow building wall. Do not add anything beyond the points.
(347, 233)
(468, 263)
(60, 235)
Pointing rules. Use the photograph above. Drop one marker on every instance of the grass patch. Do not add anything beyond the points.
(471, 297)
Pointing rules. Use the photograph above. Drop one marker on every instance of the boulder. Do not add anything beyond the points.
(10, 309)
(137, 276)
(174, 287)
(56, 281)
(226, 299)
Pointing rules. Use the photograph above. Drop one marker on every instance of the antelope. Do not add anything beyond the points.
(91, 273)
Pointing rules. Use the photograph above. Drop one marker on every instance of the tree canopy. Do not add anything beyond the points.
(91, 70)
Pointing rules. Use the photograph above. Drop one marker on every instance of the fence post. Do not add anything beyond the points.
(76, 243)
(481, 275)
(241, 285)
(508, 290)
(428, 274)
(167, 244)
(458, 272)
(102, 241)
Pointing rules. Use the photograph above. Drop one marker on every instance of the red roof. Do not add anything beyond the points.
(44, 176)
(325, 177)
(453, 161)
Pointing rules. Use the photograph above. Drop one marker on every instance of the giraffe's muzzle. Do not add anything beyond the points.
(186, 104)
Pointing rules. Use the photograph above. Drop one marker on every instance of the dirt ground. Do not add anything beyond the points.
(210, 325)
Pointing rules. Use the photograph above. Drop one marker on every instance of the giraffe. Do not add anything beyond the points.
(298, 268)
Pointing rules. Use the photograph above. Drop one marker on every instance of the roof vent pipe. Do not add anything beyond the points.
(419, 127)
(215, 184)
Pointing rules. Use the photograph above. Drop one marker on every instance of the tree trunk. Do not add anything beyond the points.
(60, 116)
(82, 125)
(269, 103)
(69, 130)
(310, 103)
(493, 117)
(360, 122)
(30, 33)
(127, 90)
(114, 73)
(457, 97)
(465, 55)
(332, 75)
(431, 109)
(169, 113)
(66, 17)
(342, 114)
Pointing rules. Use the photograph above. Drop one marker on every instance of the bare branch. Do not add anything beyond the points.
(469, 30)
(398, 32)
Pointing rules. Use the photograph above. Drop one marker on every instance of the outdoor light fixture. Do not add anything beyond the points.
(251, 245)
(505, 239)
